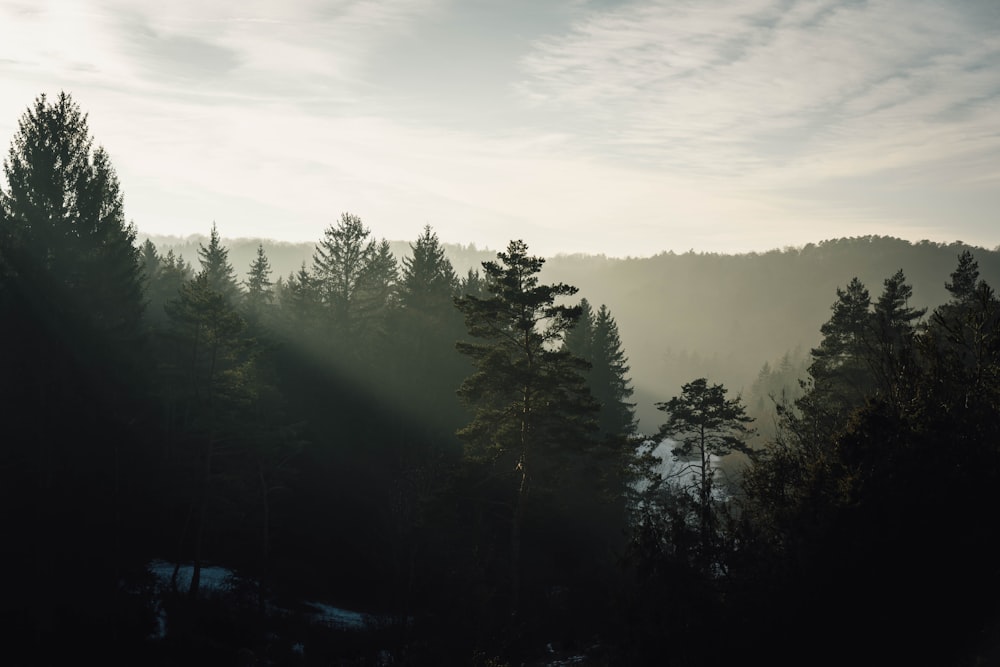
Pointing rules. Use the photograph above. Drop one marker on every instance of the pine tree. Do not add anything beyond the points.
(73, 355)
(706, 425)
(528, 396)
(840, 374)
(173, 273)
(376, 293)
(339, 266)
(962, 342)
(66, 234)
(300, 303)
(964, 279)
(150, 262)
(609, 381)
(894, 328)
(430, 369)
(428, 282)
(595, 339)
(579, 340)
(211, 366)
(259, 288)
(473, 284)
(219, 273)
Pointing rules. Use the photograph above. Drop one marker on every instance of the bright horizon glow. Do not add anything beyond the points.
(620, 128)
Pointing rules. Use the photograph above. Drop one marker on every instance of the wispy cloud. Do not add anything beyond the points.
(248, 47)
(778, 91)
(631, 127)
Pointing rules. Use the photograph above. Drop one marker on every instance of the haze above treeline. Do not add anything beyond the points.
(695, 314)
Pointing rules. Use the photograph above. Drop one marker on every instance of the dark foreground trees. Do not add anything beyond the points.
(857, 529)
(595, 339)
(706, 427)
(72, 384)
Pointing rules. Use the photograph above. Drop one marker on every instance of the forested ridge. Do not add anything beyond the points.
(455, 450)
(694, 314)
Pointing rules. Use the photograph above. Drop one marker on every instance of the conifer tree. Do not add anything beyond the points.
(595, 339)
(339, 265)
(259, 288)
(72, 350)
(377, 292)
(840, 374)
(65, 230)
(529, 399)
(579, 340)
(706, 425)
(893, 332)
(300, 302)
(963, 344)
(150, 262)
(430, 368)
(211, 365)
(473, 284)
(964, 279)
(428, 280)
(609, 378)
(173, 273)
(219, 274)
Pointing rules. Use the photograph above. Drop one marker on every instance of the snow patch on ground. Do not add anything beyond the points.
(216, 579)
(213, 578)
(340, 618)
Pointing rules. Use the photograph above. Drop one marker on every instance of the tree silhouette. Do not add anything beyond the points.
(73, 353)
(218, 271)
(528, 396)
(706, 425)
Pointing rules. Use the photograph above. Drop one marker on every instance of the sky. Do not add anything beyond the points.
(579, 126)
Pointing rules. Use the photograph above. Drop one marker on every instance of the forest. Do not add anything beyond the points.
(446, 443)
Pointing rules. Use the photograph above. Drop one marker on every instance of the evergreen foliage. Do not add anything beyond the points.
(528, 396)
(609, 381)
(595, 339)
(218, 271)
(843, 516)
(894, 326)
(964, 278)
(428, 281)
(73, 385)
(259, 289)
(706, 426)
(340, 263)
(430, 369)
(300, 301)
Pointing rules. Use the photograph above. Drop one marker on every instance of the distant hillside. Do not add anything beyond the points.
(697, 314)
(723, 316)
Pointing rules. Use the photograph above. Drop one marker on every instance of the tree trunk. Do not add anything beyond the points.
(202, 520)
(515, 539)
(265, 546)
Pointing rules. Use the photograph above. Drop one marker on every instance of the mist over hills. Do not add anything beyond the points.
(689, 315)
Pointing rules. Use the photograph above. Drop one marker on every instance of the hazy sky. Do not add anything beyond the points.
(580, 126)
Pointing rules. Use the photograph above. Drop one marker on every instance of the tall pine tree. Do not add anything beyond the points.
(529, 398)
(259, 288)
(595, 339)
(840, 375)
(72, 349)
(219, 274)
(894, 327)
(339, 265)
